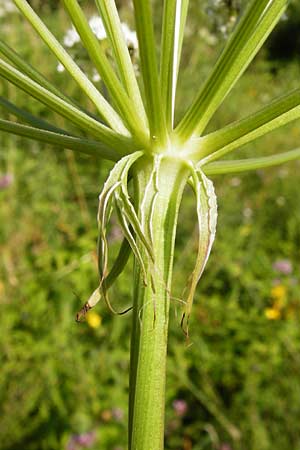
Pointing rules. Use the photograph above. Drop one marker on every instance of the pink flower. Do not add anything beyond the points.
(6, 180)
(180, 407)
(283, 266)
(84, 440)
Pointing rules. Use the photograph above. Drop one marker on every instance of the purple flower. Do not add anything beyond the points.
(180, 407)
(84, 440)
(6, 180)
(71, 445)
(283, 266)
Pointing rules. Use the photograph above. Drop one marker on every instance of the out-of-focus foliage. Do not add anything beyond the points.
(285, 43)
(64, 385)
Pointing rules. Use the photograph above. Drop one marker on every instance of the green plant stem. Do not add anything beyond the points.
(75, 143)
(30, 71)
(250, 33)
(29, 118)
(174, 18)
(244, 165)
(109, 13)
(149, 69)
(104, 108)
(118, 94)
(280, 112)
(87, 123)
(36, 76)
(158, 203)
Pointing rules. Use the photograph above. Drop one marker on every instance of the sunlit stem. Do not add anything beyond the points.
(280, 112)
(250, 33)
(244, 165)
(158, 206)
(149, 69)
(174, 17)
(103, 133)
(110, 17)
(29, 118)
(30, 71)
(78, 144)
(117, 92)
(104, 108)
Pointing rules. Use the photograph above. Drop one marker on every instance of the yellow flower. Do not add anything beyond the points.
(272, 313)
(278, 293)
(93, 319)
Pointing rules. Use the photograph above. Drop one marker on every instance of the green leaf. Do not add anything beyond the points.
(116, 270)
(243, 165)
(106, 111)
(127, 231)
(65, 141)
(207, 221)
(174, 18)
(82, 120)
(249, 35)
(112, 24)
(280, 112)
(119, 264)
(152, 186)
(128, 212)
(119, 96)
(117, 181)
(149, 69)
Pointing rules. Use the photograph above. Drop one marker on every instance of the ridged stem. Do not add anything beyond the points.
(159, 191)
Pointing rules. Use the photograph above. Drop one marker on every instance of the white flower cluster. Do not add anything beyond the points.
(7, 7)
(71, 38)
(97, 27)
(130, 37)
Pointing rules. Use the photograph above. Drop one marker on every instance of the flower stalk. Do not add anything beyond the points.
(159, 185)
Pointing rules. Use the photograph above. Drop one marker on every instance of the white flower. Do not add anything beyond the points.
(60, 68)
(7, 7)
(97, 27)
(95, 76)
(247, 213)
(71, 37)
(130, 37)
(223, 29)
(208, 37)
(235, 181)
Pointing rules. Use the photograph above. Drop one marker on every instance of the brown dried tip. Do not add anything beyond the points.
(82, 313)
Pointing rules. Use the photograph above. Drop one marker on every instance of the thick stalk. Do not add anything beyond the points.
(158, 189)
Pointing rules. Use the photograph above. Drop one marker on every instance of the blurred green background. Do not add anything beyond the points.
(236, 385)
